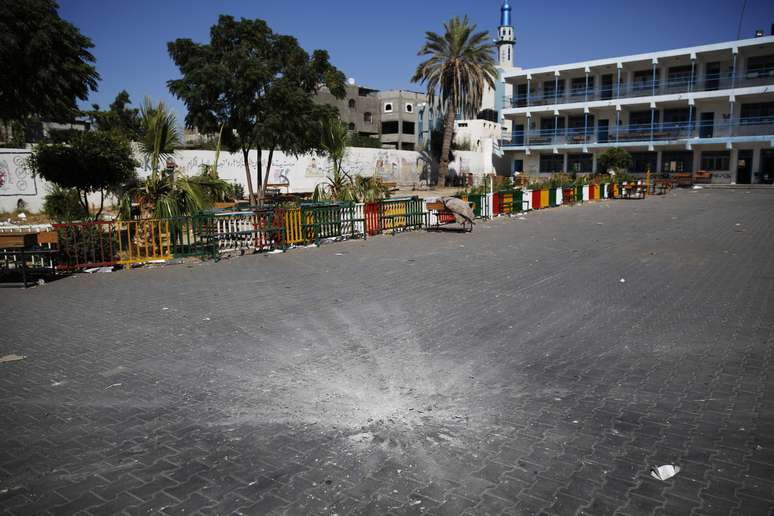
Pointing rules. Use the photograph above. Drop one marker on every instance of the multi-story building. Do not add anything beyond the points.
(358, 110)
(708, 108)
(405, 119)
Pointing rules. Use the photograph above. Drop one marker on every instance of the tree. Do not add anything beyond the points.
(333, 143)
(119, 117)
(616, 159)
(165, 194)
(45, 62)
(93, 162)
(459, 66)
(259, 86)
(160, 134)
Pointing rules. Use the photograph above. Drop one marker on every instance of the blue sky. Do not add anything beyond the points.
(376, 42)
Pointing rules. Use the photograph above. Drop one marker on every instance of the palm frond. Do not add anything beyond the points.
(160, 132)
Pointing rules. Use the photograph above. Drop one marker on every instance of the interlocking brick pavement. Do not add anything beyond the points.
(507, 371)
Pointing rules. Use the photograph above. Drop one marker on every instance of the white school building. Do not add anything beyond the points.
(705, 108)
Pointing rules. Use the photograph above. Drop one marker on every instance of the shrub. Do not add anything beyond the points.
(615, 159)
(63, 205)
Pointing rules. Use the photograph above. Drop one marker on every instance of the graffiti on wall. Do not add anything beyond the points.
(15, 176)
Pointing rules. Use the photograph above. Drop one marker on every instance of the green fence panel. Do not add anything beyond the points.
(192, 236)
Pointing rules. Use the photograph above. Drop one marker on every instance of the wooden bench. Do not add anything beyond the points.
(683, 179)
(445, 217)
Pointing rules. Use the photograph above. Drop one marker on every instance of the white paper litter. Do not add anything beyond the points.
(664, 472)
(623, 280)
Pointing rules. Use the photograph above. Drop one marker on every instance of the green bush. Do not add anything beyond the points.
(63, 205)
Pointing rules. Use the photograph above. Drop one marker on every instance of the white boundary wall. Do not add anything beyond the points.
(302, 173)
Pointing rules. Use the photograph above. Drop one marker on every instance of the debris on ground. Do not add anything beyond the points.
(11, 358)
(111, 386)
(664, 472)
(98, 269)
(623, 280)
(41, 282)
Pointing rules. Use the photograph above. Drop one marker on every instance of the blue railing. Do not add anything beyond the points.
(671, 85)
(657, 132)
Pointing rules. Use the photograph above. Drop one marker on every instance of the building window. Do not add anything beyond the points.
(352, 104)
(679, 76)
(409, 108)
(551, 163)
(550, 90)
(368, 118)
(760, 66)
(578, 87)
(548, 124)
(580, 126)
(388, 107)
(408, 127)
(762, 113)
(715, 160)
(678, 162)
(678, 116)
(641, 117)
(643, 80)
(390, 127)
(643, 162)
(580, 163)
(351, 126)
(407, 146)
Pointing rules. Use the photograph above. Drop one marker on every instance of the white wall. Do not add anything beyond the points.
(302, 173)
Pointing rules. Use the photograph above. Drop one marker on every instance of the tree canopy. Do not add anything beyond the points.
(93, 162)
(45, 62)
(119, 117)
(616, 159)
(258, 85)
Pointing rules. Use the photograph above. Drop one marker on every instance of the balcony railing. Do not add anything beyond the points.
(647, 133)
(671, 85)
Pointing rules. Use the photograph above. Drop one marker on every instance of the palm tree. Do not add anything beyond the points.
(164, 194)
(460, 64)
(160, 134)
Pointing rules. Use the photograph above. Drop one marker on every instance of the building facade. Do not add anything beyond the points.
(404, 119)
(708, 108)
(358, 110)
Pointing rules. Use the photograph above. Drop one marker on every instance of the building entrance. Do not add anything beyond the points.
(744, 167)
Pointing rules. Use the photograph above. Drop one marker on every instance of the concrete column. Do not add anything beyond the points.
(696, 160)
(659, 162)
(564, 164)
(756, 166)
(733, 163)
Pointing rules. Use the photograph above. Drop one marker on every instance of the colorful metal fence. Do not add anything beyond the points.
(207, 235)
(402, 214)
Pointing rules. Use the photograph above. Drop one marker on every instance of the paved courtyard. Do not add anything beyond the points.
(533, 366)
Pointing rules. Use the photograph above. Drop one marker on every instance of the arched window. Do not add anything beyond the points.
(351, 103)
(409, 108)
(351, 126)
(368, 118)
(388, 107)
